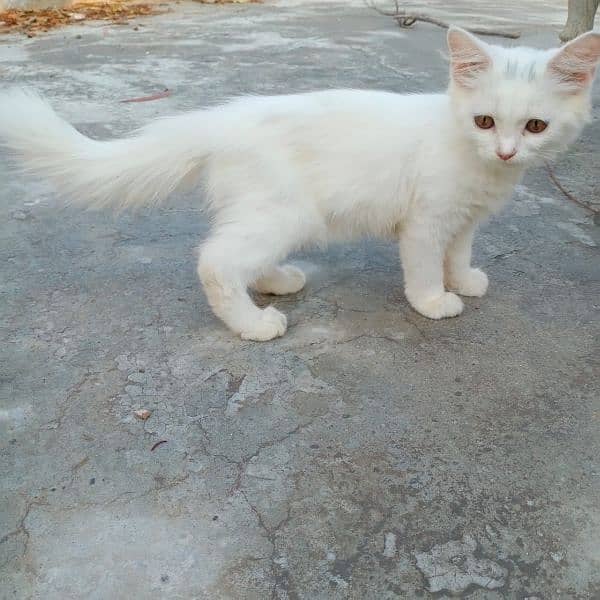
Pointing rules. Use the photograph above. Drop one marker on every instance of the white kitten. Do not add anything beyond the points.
(285, 172)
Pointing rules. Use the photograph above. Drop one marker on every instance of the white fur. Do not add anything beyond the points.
(285, 172)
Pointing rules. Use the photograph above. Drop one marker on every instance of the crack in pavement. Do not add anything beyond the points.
(279, 572)
(242, 465)
(63, 406)
(21, 527)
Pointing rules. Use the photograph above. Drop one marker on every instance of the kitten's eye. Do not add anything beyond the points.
(536, 125)
(484, 121)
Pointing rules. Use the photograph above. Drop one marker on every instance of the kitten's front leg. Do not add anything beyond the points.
(422, 255)
(459, 276)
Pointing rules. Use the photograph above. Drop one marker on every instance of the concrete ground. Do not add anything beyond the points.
(368, 454)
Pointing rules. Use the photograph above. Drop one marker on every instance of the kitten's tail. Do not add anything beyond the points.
(141, 169)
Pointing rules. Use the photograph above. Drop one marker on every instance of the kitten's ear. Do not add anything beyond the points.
(468, 57)
(574, 65)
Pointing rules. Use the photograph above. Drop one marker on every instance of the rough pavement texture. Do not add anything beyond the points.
(368, 454)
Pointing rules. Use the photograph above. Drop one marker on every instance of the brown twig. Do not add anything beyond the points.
(157, 445)
(568, 194)
(164, 94)
(407, 19)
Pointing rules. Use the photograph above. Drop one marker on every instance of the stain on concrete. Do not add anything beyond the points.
(453, 567)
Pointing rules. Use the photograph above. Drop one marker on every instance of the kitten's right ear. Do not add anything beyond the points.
(468, 57)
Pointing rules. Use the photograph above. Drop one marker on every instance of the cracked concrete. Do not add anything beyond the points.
(369, 453)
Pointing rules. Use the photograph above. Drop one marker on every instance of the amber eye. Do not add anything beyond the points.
(536, 125)
(484, 121)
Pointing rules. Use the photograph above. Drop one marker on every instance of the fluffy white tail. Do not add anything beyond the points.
(141, 169)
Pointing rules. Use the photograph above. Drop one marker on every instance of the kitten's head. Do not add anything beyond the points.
(520, 105)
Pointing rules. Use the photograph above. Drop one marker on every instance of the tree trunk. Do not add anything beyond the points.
(580, 19)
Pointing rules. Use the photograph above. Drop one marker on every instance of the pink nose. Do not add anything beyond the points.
(506, 156)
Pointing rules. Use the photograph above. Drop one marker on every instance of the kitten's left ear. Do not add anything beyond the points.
(574, 65)
(468, 57)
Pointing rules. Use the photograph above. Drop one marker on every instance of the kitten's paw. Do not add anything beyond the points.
(473, 282)
(440, 307)
(286, 279)
(269, 325)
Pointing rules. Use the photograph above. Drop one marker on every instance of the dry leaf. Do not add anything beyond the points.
(31, 22)
(143, 414)
(228, 1)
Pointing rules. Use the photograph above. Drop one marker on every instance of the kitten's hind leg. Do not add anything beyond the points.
(230, 260)
(284, 279)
